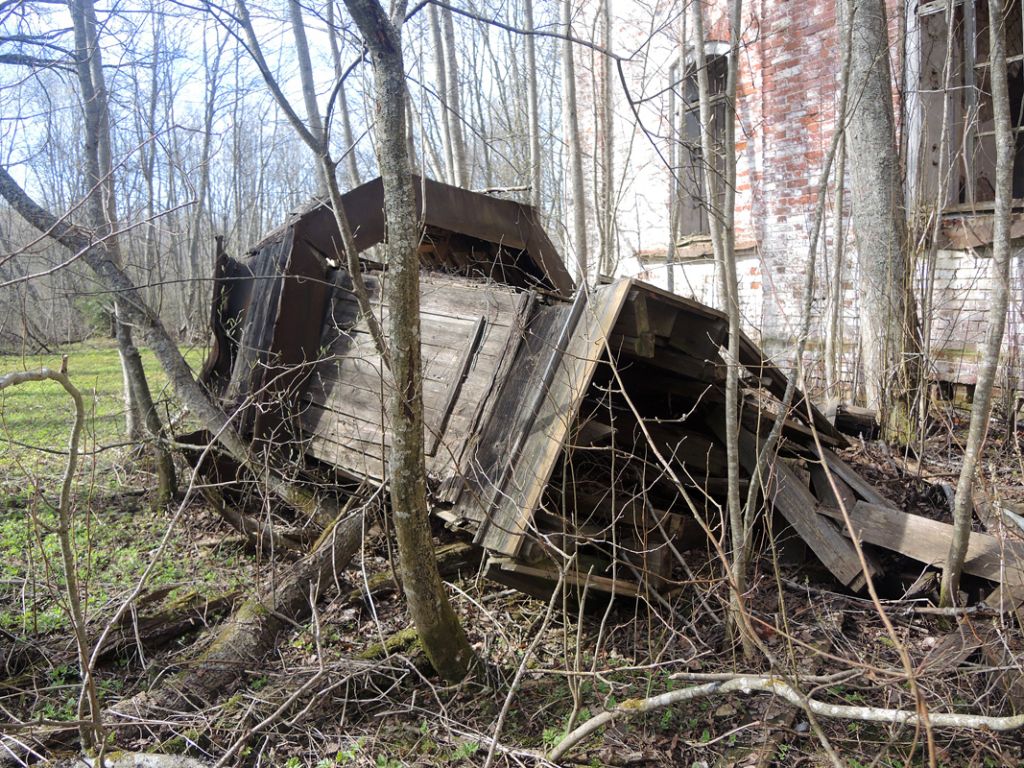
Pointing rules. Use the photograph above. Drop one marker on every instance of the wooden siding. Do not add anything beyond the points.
(466, 329)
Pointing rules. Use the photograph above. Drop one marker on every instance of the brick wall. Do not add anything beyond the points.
(786, 106)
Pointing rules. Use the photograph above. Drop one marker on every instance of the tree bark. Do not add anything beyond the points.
(572, 130)
(195, 319)
(454, 112)
(441, 73)
(316, 126)
(608, 193)
(441, 634)
(721, 199)
(536, 177)
(1000, 270)
(102, 210)
(351, 165)
(888, 323)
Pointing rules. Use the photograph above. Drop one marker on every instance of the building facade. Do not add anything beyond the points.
(786, 113)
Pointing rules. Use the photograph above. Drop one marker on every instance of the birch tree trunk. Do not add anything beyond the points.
(441, 634)
(572, 129)
(962, 505)
(888, 323)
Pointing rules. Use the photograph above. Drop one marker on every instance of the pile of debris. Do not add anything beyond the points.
(558, 422)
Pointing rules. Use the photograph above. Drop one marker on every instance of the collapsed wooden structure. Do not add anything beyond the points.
(560, 425)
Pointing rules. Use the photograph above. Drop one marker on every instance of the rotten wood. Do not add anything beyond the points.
(927, 541)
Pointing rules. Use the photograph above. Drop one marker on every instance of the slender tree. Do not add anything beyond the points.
(441, 73)
(453, 114)
(103, 217)
(572, 139)
(441, 634)
(888, 321)
(962, 505)
(721, 201)
(533, 112)
(606, 207)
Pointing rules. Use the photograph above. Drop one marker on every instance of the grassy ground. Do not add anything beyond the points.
(35, 418)
(115, 529)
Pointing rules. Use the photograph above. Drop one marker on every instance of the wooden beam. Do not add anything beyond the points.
(927, 541)
(795, 502)
(823, 488)
(859, 485)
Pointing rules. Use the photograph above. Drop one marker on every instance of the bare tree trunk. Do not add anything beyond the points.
(834, 329)
(721, 197)
(536, 190)
(102, 209)
(675, 150)
(196, 319)
(454, 112)
(941, 195)
(441, 634)
(351, 164)
(888, 332)
(442, 91)
(316, 126)
(963, 506)
(607, 151)
(572, 129)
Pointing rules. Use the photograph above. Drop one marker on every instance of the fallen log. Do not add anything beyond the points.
(451, 559)
(240, 643)
(252, 631)
(152, 631)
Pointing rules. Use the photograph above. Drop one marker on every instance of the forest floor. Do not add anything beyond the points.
(349, 687)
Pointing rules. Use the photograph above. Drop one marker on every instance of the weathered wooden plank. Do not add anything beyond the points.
(795, 503)
(455, 300)
(458, 378)
(549, 575)
(859, 485)
(927, 541)
(824, 491)
(254, 346)
(557, 403)
(754, 360)
(461, 352)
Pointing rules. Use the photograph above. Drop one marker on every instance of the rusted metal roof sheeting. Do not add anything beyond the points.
(514, 225)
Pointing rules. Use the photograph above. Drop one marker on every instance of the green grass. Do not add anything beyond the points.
(35, 418)
(115, 531)
(115, 542)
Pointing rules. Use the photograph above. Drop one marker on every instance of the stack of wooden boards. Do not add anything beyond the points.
(574, 435)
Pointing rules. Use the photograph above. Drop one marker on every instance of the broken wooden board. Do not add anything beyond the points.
(533, 459)
(540, 580)
(927, 541)
(794, 501)
(823, 488)
(847, 474)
